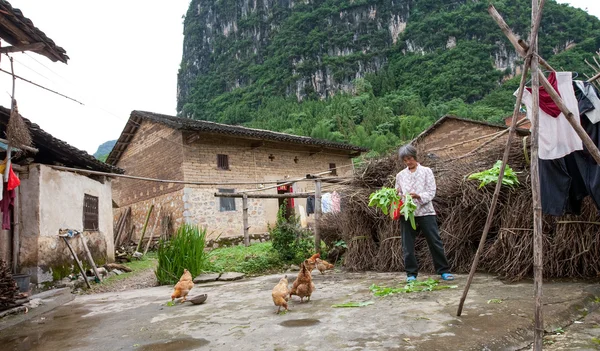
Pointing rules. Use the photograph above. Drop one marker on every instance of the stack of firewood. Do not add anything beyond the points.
(8, 287)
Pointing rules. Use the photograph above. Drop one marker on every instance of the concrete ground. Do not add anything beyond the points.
(241, 316)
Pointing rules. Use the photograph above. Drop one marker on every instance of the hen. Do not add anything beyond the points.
(303, 285)
(280, 294)
(323, 265)
(183, 287)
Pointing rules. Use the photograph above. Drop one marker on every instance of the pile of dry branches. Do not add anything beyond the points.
(571, 246)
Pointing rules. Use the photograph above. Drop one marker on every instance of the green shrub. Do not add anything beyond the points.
(291, 242)
(184, 250)
(259, 258)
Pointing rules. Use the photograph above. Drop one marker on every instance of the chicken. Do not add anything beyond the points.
(183, 287)
(303, 285)
(312, 262)
(281, 293)
(323, 265)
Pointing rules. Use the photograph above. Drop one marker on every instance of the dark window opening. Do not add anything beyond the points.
(223, 162)
(333, 169)
(226, 203)
(90, 212)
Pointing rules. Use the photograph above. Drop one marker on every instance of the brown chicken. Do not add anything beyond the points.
(323, 265)
(183, 287)
(312, 262)
(281, 293)
(303, 285)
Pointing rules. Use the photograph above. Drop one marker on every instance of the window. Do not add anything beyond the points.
(333, 169)
(223, 162)
(90, 212)
(226, 203)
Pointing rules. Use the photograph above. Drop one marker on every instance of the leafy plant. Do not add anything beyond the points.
(385, 199)
(258, 258)
(354, 304)
(290, 242)
(491, 176)
(408, 210)
(340, 243)
(184, 251)
(495, 301)
(414, 286)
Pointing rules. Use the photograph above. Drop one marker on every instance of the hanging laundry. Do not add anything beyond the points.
(6, 205)
(335, 202)
(326, 203)
(13, 180)
(590, 92)
(546, 103)
(310, 204)
(557, 138)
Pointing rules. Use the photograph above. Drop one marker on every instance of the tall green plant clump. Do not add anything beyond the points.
(290, 242)
(184, 251)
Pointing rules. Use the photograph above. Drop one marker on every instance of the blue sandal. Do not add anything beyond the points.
(411, 278)
(447, 276)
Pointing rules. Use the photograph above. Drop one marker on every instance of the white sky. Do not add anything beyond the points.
(124, 56)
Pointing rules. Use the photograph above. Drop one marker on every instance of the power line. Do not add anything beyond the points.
(43, 87)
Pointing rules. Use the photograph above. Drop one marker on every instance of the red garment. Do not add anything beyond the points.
(6, 205)
(13, 180)
(546, 103)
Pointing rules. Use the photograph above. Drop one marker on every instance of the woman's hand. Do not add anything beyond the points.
(415, 196)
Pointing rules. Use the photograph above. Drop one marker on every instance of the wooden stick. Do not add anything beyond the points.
(144, 228)
(16, 229)
(77, 261)
(118, 225)
(264, 196)
(152, 231)
(506, 30)
(317, 215)
(89, 257)
(122, 227)
(594, 78)
(245, 219)
(22, 48)
(22, 147)
(12, 108)
(488, 222)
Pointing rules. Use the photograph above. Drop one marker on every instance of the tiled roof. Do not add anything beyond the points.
(182, 123)
(19, 30)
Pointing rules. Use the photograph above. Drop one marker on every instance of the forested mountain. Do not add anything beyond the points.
(104, 149)
(371, 72)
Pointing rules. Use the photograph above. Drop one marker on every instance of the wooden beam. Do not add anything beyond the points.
(22, 48)
(317, 215)
(264, 196)
(18, 34)
(245, 219)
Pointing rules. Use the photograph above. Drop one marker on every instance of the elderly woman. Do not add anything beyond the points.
(418, 181)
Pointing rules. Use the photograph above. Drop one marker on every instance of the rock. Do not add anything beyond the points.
(294, 268)
(117, 271)
(230, 276)
(33, 303)
(205, 278)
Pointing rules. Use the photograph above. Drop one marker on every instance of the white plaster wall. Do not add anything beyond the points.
(61, 204)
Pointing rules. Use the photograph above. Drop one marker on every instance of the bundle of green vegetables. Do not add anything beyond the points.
(390, 203)
(491, 176)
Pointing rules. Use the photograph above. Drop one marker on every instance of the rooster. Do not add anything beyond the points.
(303, 285)
(323, 265)
(280, 294)
(183, 287)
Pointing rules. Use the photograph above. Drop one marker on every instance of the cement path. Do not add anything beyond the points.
(241, 316)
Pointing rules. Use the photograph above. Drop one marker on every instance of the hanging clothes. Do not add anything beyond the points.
(326, 203)
(310, 204)
(557, 138)
(6, 206)
(590, 92)
(546, 103)
(13, 180)
(336, 200)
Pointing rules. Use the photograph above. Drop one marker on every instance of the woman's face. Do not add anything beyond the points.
(410, 162)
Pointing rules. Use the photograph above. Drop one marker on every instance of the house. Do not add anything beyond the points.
(186, 150)
(452, 136)
(48, 200)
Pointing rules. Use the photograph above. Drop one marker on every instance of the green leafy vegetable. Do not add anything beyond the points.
(354, 304)
(414, 286)
(408, 210)
(386, 199)
(491, 176)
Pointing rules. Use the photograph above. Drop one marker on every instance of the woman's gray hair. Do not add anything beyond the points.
(407, 151)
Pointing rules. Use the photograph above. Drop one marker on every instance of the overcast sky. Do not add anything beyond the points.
(124, 56)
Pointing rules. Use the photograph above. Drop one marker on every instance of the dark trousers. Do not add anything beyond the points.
(428, 226)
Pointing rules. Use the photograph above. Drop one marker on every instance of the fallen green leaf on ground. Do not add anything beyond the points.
(416, 286)
(354, 304)
(495, 301)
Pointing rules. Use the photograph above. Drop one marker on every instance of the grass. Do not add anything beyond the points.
(255, 259)
(184, 251)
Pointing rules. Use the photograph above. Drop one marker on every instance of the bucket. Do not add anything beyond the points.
(22, 281)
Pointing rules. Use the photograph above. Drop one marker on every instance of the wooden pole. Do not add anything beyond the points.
(535, 179)
(245, 220)
(144, 228)
(317, 215)
(12, 108)
(89, 256)
(122, 226)
(264, 196)
(488, 222)
(77, 261)
(152, 231)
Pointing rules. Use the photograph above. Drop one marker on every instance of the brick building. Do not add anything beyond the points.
(166, 147)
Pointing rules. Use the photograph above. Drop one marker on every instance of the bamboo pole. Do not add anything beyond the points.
(144, 228)
(76, 260)
(488, 222)
(89, 257)
(317, 215)
(245, 219)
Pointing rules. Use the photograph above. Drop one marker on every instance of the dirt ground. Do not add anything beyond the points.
(240, 315)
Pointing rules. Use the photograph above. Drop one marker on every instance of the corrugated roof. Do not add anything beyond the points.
(19, 30)
(181, 123)
(53, 150)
